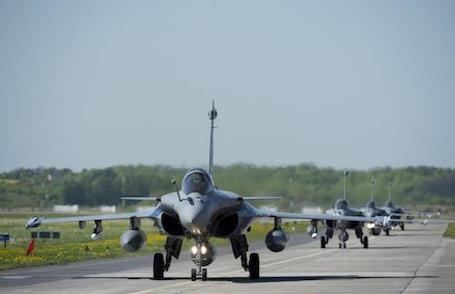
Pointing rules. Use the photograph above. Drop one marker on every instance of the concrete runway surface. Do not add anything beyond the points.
(417, 260)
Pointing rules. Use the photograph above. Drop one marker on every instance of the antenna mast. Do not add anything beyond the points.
(390, 190)
(212, 116)
(373, 184)
(346, 173)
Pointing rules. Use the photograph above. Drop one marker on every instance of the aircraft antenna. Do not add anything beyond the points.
(173, 182)
(346, 173)
(390, 190)
(373, 184)
(212, 116)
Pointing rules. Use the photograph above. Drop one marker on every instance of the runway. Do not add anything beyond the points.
(417, 260)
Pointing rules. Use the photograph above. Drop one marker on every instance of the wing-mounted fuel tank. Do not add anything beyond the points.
(277, 239)
(376, 231)
(135, 238)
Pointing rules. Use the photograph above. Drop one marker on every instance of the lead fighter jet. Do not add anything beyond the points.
(200, 211)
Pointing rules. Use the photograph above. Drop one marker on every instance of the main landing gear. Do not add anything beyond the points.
(325, 239)
(363, 239)
(172, 247)
(387, 231)
(240, 248)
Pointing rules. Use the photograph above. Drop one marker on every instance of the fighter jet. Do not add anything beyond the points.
(200, 211)
(371, 210)
(342, 208)
(395, 213)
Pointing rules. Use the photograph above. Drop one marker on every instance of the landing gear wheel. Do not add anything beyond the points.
(253, 267)
(387, 232)
(204, 274)
(402, 226)
(365, 242)
(158, 266)
(344, 245)
(339, 245)
(323, 242)
(193, 274)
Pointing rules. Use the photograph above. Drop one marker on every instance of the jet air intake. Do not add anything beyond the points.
(133, 240)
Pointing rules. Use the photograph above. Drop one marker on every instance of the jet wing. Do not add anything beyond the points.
(37, 221)
(249, 198)
(319, 216)
(141, 198)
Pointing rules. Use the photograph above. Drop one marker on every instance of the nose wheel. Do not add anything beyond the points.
(202, 273)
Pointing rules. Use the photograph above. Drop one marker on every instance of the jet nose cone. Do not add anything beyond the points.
(195, 217)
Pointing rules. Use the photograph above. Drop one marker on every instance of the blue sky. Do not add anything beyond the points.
(348, 84)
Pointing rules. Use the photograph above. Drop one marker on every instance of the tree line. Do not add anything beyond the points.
(304, 184)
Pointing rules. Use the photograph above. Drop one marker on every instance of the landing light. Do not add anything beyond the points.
(203, 249)
(194, 250)
(370, 225)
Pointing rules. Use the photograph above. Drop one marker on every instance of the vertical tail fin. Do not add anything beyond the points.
(212, 116)
(373, 184)
(390, 190)
(346, 173)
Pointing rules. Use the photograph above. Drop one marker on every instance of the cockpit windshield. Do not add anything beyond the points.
(341, 204)
(197, 181)
(371, 204)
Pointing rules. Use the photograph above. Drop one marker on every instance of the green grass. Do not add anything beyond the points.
(75, 244)
(450, 232)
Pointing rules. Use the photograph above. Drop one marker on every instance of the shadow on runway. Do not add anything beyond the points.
(269, 279)
(392, 247)
(310, 278)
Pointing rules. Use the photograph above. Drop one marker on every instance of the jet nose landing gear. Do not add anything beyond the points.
(202, 254)
(343, 236)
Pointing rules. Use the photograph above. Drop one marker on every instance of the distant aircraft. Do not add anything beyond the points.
(393, 211)
(342, 208)
(371, 210)
(200, 211)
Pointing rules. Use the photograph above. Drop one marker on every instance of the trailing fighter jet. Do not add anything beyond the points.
(342, 208)
(395, 213)
(199, 210)
(371, 210)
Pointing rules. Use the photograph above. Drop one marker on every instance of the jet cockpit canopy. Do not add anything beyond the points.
(197, 181)
(388, 203)
(371, 204)
(341, 204)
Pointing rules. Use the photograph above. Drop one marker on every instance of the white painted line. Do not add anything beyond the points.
(162, 288)
(16, 277)
(294, 258)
